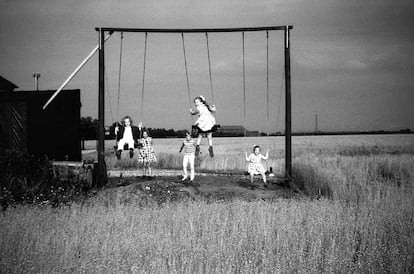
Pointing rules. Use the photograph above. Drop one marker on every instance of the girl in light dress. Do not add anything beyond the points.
(255, 164)
(146, 152)
(205, 123)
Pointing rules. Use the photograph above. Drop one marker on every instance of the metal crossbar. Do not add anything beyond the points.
(195, 30)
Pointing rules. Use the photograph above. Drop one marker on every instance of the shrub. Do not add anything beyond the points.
(25, 178)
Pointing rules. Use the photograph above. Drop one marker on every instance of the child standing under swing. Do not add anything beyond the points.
(205, 123)
(146, 153)
(188, 146)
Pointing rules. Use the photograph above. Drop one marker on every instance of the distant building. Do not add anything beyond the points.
(6, 85)
(235, 131)
(252, 133)
(231, 130)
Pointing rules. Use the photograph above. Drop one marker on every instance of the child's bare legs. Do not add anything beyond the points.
(251, 180)
(210, 138)
(199, 139)
(210, 143)
(145, 169)
(197, 151)
(149, 169)
(264, 179)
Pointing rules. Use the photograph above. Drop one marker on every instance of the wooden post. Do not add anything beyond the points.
(288, 115)
(102, 176)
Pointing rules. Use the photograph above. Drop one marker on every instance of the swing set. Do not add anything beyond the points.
(106, 32)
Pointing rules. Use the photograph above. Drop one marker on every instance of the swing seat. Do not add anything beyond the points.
(126, 146)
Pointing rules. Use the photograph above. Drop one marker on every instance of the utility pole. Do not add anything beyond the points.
(316, 123)
(36, 76)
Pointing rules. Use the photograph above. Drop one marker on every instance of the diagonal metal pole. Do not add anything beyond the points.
(74, 73)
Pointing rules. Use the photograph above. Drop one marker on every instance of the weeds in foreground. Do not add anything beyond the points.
(245, 237)
(366, 225)
(25, 179)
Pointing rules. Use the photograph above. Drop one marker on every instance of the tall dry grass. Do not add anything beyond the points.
(362, 221)
(376, 178)
(245, 237)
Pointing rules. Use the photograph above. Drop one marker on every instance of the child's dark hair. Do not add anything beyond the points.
(186, 132)
(203, 100)
(126, 117)
(146, 131)
(256, 146)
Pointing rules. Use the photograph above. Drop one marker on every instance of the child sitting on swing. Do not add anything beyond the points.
(128, 134)
(205, 123)
(255, 165)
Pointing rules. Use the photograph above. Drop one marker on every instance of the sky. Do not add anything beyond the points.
(351, 61)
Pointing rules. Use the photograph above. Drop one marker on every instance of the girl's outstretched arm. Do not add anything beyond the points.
(193, 112)
(267, 155)
(212, 108)
(181, 149)
(247, 157)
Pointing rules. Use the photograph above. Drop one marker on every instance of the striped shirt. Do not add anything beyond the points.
(189, 147)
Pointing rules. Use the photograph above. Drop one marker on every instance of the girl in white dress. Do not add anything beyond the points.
(255, 164)
(205, 123)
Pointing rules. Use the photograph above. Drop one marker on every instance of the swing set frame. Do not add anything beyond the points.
(102, 31)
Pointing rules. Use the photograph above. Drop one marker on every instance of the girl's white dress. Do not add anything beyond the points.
(255, 164)
(206, 120)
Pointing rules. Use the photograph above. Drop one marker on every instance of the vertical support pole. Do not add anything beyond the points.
(288, 115)
(102, 177)
(244, 89)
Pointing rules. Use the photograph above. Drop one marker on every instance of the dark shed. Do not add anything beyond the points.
(6, 85)
(55, 131)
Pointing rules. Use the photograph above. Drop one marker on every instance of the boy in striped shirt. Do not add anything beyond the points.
(189, 154)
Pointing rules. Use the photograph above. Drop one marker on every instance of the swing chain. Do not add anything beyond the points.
(209, 69)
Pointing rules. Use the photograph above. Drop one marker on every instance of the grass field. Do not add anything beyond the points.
(229, 152)
(356, 215)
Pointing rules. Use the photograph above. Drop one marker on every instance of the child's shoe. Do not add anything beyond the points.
(184, 178)
(197, 151)
(271, 174)
(210, 150)
(118, 154)
(131, 153)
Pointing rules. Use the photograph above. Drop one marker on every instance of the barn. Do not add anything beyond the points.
(26, 127)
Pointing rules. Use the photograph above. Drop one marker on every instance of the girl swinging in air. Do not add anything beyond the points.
(205, 123)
